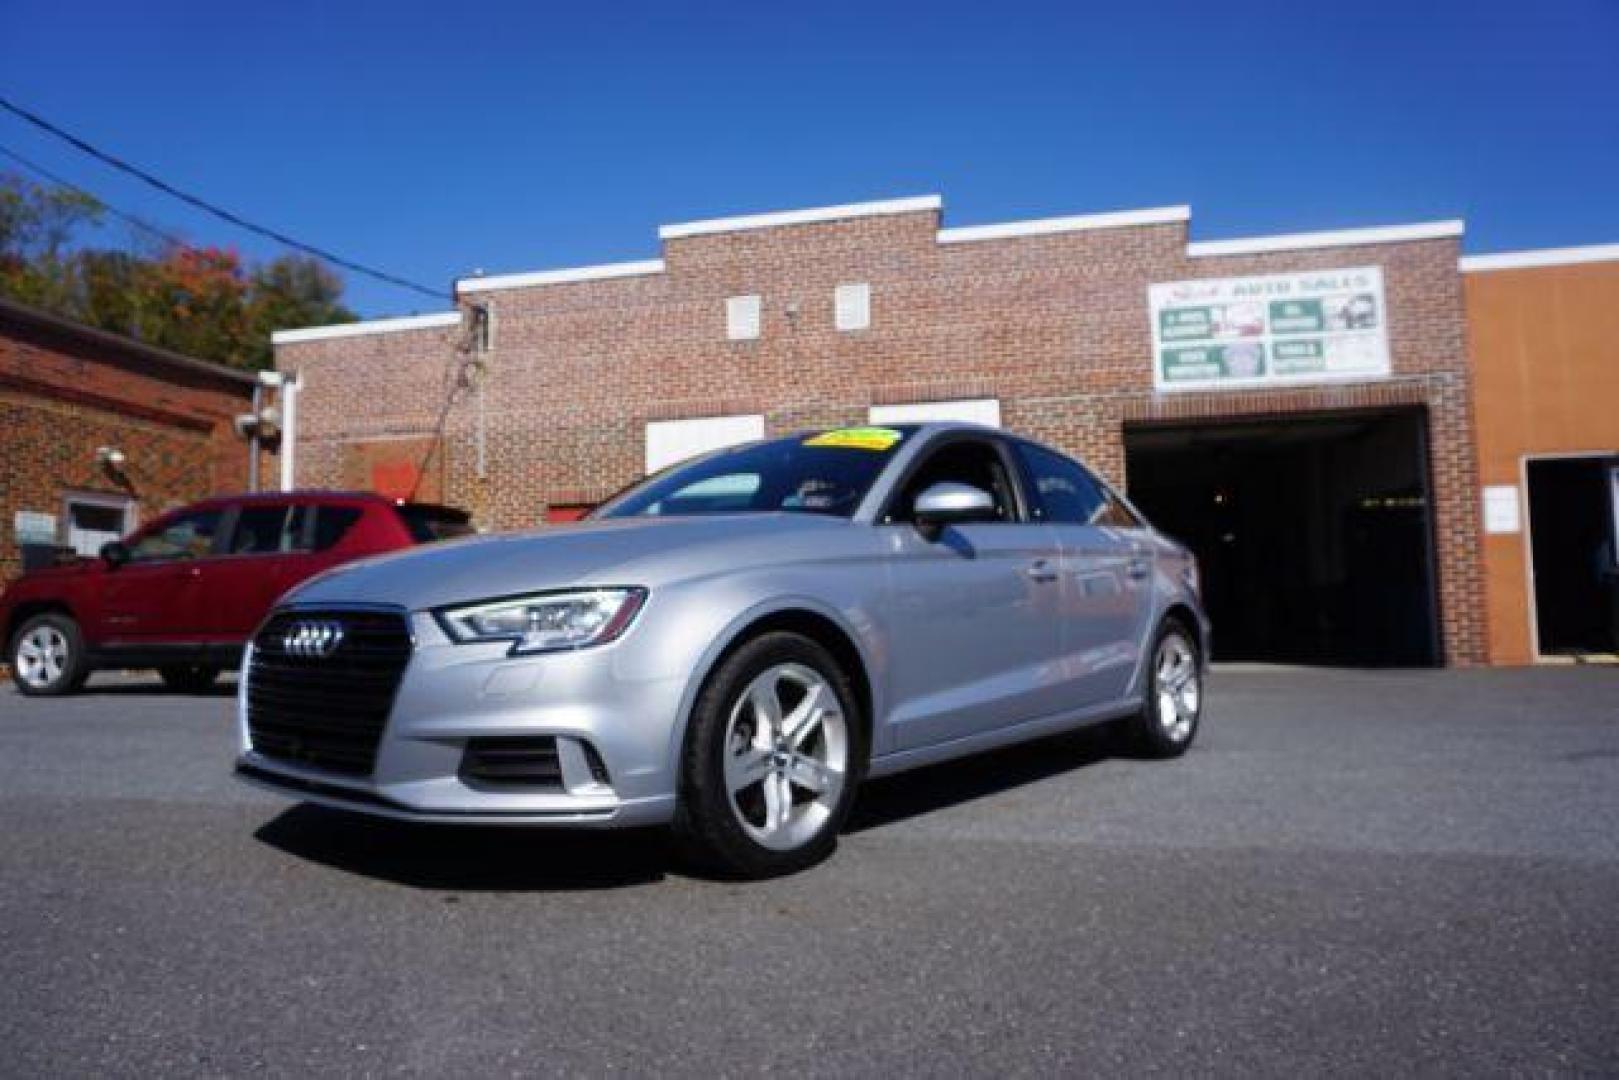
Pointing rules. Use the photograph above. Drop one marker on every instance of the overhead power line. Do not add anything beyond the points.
(209, 208)
(45, 174)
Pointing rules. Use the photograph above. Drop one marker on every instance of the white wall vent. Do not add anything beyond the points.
(742, 318)
(852, 306)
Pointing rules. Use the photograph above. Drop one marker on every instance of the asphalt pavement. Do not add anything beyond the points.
(1352, 873)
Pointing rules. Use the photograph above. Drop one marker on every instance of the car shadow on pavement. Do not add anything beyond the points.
(155, 688)
(470, 858)
(461, 858)
(937, 787)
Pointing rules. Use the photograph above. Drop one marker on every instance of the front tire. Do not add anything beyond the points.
(48, 656)
(773, 753)
(189, 678)
(1173, 708)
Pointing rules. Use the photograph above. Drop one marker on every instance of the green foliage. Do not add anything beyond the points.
(200, 301)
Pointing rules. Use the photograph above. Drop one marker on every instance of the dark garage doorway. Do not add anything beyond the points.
(1571, 527)
(1313, 533)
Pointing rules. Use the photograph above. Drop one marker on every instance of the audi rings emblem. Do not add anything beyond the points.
(315, 640)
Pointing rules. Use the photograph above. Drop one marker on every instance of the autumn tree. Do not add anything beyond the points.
(202, 301)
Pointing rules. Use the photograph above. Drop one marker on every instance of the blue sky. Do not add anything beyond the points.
(432, 139)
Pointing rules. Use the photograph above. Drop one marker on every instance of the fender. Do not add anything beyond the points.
(739, 625)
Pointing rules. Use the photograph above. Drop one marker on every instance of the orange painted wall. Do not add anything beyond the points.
(1544, 342)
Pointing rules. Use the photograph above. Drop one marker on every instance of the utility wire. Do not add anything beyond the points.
(209, 208)
(44, 173)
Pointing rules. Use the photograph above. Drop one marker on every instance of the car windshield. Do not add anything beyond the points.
(826, 472)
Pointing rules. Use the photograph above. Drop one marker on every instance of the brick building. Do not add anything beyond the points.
(99, 432)
(1299, 408)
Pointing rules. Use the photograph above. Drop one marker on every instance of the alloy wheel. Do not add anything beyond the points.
(1178, 686)
(786, 756)
(42, 656)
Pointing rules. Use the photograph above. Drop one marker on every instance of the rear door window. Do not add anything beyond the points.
(1064, 493)
(260, 530)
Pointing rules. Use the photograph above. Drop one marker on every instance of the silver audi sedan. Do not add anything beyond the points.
(732, 645)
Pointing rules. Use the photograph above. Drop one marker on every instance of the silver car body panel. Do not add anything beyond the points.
(993, 634)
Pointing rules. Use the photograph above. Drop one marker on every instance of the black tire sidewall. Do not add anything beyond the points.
(74, 672)
(704, 818)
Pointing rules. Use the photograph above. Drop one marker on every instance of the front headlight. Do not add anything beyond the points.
(546, 622)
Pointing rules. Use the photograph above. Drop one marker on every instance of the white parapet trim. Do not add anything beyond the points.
(1387, 234)
(357, 329)
(799, 217)
(601, 272)
(1521, 260)
(1117, 219)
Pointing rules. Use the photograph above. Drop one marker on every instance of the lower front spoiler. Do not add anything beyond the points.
(641, 812)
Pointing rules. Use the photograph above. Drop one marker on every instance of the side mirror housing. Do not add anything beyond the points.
(950, 504)
(114, 553)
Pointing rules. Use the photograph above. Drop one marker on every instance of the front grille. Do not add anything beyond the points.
(326, 712)
(526, 760)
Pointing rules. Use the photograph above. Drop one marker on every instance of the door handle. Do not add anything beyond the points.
(193, 571)
(1139, 568)
(1040, 570)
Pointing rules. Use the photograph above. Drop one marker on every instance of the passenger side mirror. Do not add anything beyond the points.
(114, 553)
(950, 504)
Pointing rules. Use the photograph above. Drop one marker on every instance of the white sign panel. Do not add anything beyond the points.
(986, 411)
(1278, 329)
(1501, 514)
(671, 441)
(34, 527)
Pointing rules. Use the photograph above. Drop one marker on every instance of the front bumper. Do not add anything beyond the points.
(278, 778)
(603, 701)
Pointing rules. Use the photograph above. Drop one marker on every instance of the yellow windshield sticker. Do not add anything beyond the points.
(857, 438)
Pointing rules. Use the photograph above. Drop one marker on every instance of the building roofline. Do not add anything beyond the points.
(1522, 260)
(600, 272)
(107, 339)
(812, 215)
(357, 329)
(1384, 234)
(1116, 219)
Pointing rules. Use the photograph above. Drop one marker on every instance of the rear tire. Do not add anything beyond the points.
(774, 751)
(1173, 706)
(189, 678)
(47, 656)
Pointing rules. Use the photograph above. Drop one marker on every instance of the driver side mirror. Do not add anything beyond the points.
(950, 504)
(114, 553)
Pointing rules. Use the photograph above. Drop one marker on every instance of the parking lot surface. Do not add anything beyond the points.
(1352, 872)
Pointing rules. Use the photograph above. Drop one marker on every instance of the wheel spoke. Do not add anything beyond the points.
(744, 770)
(811, 775)
(778, 801)
(806, 716)
(766, 705)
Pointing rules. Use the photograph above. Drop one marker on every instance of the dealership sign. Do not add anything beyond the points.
(1270, 330)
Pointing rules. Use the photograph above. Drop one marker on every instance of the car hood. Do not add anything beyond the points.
(624, 551)
(44, 575)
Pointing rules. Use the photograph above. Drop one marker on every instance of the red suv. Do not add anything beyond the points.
(184, 593)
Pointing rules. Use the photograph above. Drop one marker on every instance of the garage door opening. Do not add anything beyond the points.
(1571, 527)
(1313, 534)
